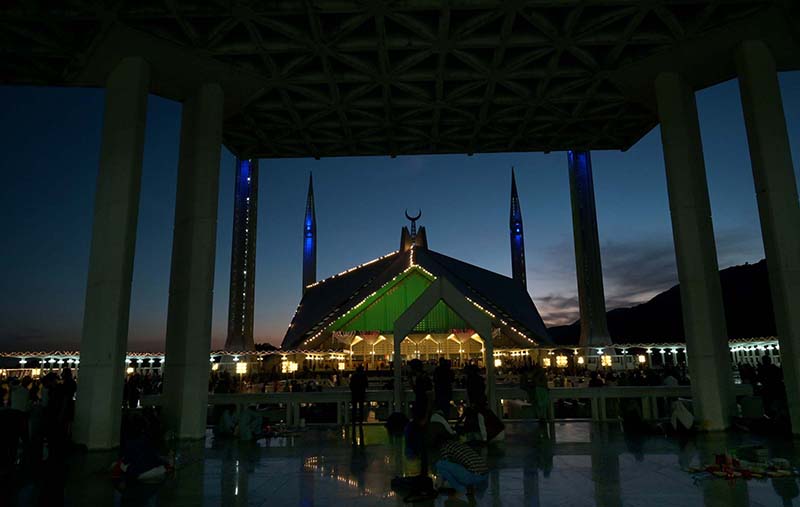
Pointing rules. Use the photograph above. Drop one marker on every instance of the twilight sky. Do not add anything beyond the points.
(51, 143)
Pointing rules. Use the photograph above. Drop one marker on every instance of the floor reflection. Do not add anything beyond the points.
(560, 464)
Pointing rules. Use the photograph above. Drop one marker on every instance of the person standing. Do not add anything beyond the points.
(358, 395)
(70, 387)
(134, 390)
(421, 385)
(54, 410)
(443, 386)
(770, 380)
(476, 387)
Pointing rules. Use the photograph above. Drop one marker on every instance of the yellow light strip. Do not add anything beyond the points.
(373, 261)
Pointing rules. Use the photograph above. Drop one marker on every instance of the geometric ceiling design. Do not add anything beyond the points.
(338, 77)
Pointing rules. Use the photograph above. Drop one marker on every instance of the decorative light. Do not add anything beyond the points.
(352, 269)
(215, 367)
(288, 366)
(605, 360)
(498, 363)
(35, 372)
(641, 358)
(546, 362)
(561, 361)
(341, 366)
(581, 360)
(241, 368)
(22, 361)
(129, 370)
(235, 359)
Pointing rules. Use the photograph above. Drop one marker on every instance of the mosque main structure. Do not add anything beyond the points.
(356, 312)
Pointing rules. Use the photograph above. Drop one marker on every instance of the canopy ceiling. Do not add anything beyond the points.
(345, 77)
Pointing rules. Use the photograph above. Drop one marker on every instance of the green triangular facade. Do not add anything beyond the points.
(379, 312)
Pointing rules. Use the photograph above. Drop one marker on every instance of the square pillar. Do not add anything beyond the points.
(491, 377)
(695, 252)
(591, 296)
(397, 367)
(108, 292)
(778, 209)
(193, 253)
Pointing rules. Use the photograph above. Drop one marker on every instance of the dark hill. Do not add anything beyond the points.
(748, 311)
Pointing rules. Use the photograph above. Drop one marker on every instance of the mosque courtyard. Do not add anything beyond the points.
(572, 463)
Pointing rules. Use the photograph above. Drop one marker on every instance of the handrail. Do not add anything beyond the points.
(598, 397)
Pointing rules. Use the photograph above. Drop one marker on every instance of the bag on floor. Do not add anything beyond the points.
(414, 488)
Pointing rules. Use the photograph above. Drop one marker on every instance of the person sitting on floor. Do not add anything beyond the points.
(460, 467)
(139, 457)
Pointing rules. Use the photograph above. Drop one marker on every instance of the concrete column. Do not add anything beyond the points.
(193, 253)
(491, 378)
(695, 252)
(591, 298)
(778, 209)
(397, 366)
(108, 292)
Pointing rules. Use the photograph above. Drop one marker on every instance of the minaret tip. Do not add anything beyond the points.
(517, 235)
(310, 238)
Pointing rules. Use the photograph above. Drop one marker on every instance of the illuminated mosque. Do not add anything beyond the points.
(354, 315)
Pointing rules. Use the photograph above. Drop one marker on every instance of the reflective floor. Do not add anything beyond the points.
(567, 464)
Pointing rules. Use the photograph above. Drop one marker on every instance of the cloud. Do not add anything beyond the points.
(634, 271)
(558, 310)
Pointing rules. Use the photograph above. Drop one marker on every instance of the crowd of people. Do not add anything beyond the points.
(138, 385)
(36, 418)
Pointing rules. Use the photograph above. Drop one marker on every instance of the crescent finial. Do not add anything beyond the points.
(419, 214)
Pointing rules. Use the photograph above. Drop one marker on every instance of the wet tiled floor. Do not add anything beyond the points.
(567, 464)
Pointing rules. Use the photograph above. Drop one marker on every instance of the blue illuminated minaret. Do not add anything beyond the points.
(243, 257)
(310, 238)
(591, 297)
(517, 236)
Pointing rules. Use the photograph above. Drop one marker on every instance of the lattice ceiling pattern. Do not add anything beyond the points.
(404, 77)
